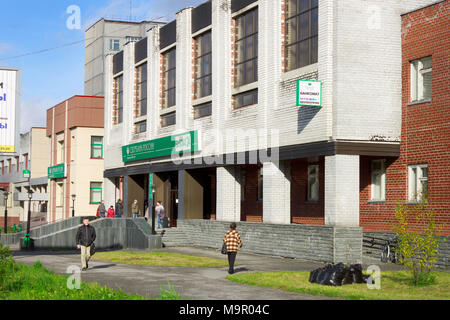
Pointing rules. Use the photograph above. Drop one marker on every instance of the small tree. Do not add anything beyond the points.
(418, 239)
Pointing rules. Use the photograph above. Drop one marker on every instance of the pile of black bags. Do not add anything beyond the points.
(338, 275)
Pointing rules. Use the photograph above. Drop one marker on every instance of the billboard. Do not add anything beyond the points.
(9, 109)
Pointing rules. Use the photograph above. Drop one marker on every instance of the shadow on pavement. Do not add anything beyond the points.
(105, 266)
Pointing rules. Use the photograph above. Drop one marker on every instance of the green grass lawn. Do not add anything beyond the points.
(395, 285)
(38, 283)
(161, 259)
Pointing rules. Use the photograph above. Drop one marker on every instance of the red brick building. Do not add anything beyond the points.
(424, 162)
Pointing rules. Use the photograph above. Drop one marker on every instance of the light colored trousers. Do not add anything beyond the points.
(85, 256)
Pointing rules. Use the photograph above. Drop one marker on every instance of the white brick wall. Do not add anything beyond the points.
(342, 190)
(228, 207)
(276, 193)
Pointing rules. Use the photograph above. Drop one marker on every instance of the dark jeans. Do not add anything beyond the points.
(231, 259)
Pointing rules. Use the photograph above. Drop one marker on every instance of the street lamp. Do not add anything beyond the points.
(5, 194)
(73, 205)
(153, 208)
(27, 236)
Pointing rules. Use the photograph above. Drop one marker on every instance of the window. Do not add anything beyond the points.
(260, 184)
(114, 44)
(313, 183)
(128, 39)
(168, 119)
(2, 165)
(243, 178)
(59, 194)
(140, 127)
(247, 48)
(60, 154)
(169, 79)
(203, 66)
(301, 33)
(118, 103)
(202, 110)
(96, 192)
(418, 182)
(421, 79)
(142, 90)
(378, 177)
(97, 147)
(245, 99)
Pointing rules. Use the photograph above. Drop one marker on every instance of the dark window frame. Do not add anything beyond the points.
(140, 98)
(237, 105)
(165, 116)
(119, 99)
(169, 71)
(313, 35)
(207, 105)
(241, 22)
(199, 59)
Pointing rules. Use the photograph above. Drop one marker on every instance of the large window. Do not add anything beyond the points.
(142, 90)
(118, 104)
(421, 79)
(378, 177)
(97, 147)
(418, 182)
(169, 79)
(203, 65)
(114, 45)
(247, 48)
(301, 33)
(313, 183)
(95, 192)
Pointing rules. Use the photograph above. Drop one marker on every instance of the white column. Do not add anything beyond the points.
(276, 192)
(228, 194)
(109, 192)
(342, 190)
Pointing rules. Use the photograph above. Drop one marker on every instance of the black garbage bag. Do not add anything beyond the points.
(337, 274)
(324, 274)
(356, 270)
(313, 275)
(318, 275)
(348, 276)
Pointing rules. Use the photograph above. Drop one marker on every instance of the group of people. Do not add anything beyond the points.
(117, 212)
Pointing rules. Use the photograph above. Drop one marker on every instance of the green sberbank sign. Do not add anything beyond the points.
(176, 144)
(56, 172)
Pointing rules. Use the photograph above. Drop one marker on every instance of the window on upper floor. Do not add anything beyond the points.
(96, 191)
(246, 64)
(417, 182)
(378, 180)
(60, 152)
(245, 99)
(301, 33)
(203, 65)
(118, 100)
(169, 119)
(141, 94)
(96, 147)
(140, 127)
(202, 110)
(128, 39)
(421, 79)
(169, 78)
(114, 44)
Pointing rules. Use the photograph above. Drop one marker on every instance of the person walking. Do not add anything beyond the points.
(119, 209)
(102, 209)
(85, 238)
(135, 209)
(111, 212)
(233, 242)
(160, 213)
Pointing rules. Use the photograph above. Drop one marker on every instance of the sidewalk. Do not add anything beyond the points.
(190, 283)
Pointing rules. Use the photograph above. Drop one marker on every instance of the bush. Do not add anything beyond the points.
(7, 265)
(418, 239)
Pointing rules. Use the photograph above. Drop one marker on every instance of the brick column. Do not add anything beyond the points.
(228, 190)
(342, 190)
(277, 192)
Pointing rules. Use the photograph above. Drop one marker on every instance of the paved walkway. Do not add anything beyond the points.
(190, 283)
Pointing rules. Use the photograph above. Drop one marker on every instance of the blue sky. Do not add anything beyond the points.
(28, 26)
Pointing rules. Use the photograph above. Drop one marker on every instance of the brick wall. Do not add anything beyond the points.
(11, 221)
(302, 211)
(425, 127)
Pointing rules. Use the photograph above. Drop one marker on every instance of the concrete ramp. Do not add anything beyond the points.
(111, 234)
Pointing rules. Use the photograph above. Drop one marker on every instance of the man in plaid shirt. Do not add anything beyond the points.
(233, 243)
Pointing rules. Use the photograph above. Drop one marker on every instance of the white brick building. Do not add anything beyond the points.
(241, 81)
